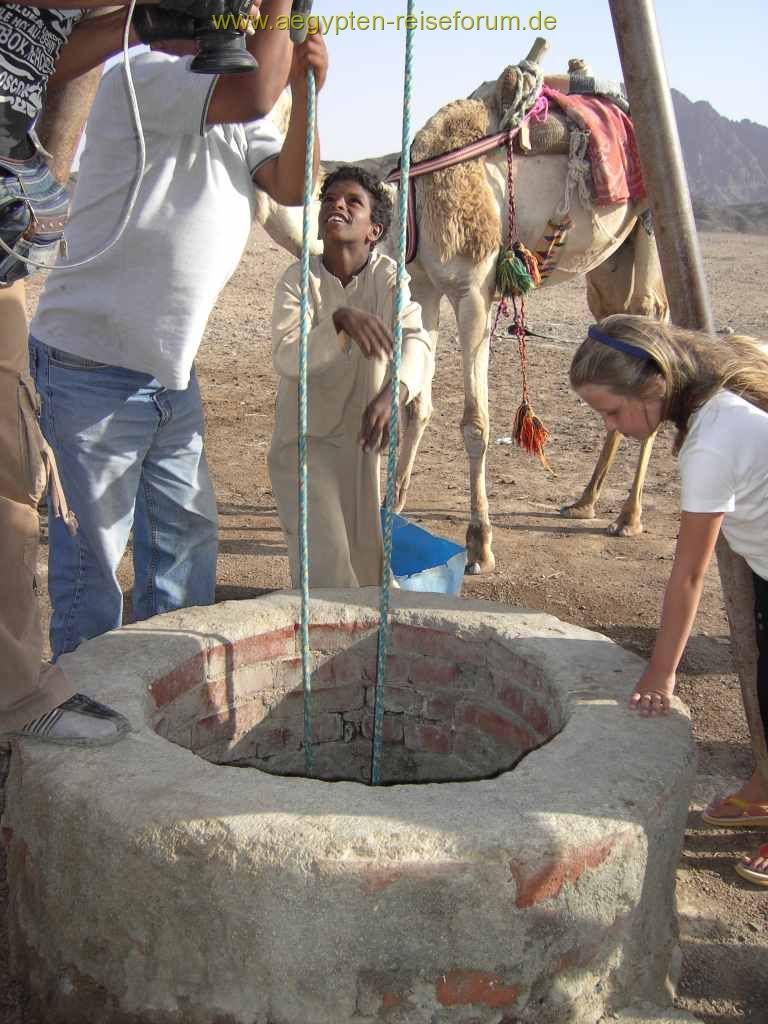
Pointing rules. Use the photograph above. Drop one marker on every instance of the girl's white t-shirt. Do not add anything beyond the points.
(724, 468)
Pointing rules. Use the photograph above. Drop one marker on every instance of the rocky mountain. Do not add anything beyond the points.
(726, 161)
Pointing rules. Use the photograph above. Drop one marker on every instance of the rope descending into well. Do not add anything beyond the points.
(306, 666)
(405, 166)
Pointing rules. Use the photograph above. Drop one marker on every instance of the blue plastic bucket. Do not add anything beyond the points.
(423, 562)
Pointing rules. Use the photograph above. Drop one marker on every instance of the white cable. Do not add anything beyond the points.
(136, 183)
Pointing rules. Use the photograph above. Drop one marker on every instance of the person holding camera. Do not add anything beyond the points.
(113, 344)
(42, 46)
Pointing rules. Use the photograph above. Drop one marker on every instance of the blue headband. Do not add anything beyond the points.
(620, 346)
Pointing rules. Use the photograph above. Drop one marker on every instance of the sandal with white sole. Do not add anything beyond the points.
(750, 873)
(751, 814)
(77, 722)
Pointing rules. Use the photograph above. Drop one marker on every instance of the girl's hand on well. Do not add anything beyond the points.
(652, 693)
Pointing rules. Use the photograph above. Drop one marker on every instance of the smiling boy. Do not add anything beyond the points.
(352, 298)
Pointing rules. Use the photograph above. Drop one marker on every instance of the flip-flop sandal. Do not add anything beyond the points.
(748, 816)
(40, 729)
(758, 877)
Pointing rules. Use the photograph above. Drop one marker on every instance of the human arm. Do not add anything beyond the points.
(696, 541)
(283, 177)
(416, 365)
(91, 43)
(326, 347)
(374, 429)
(238, 98)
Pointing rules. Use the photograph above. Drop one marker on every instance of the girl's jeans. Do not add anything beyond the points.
(130, 456)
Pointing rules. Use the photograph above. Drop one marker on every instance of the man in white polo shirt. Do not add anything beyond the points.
(113, 345)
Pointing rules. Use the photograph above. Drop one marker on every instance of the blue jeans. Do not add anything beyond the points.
(130, 456)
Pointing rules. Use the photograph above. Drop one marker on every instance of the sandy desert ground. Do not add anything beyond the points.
(571, 569)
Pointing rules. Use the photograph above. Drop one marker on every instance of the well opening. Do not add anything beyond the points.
(455, 708)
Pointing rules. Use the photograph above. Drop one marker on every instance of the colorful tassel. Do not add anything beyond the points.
(517, 271)
(530, 434)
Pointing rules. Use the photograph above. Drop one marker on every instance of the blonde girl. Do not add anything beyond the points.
(638, 373)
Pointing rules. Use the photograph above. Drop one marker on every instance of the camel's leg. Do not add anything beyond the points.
(584, 508)
(419, 411)
(629, 521)
(472, 319)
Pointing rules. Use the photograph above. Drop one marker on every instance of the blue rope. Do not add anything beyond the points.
(405, 166)
(306, 666)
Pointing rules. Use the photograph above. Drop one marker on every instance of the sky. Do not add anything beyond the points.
(715, 52)
(718, 55)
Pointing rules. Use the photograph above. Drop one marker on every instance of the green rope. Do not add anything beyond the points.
(405, 165)
(306, 665)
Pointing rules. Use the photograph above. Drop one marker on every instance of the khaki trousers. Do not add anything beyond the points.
(29, 687)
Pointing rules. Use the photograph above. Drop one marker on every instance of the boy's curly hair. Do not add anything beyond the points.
(381, 203)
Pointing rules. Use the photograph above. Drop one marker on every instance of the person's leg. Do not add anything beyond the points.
(748, 806)
(755, 868)
(329, 555)
(176, 535)
(28, 687)
(761, 630)
(100, 421)
(36, 699)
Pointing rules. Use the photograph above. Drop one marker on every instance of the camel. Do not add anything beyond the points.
(462, 214)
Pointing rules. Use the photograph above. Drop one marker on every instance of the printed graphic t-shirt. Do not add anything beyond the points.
(30, 42)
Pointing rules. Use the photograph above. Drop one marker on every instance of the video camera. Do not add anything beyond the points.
(218, 26)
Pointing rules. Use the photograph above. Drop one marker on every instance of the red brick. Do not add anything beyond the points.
(326, 728)
(390, 999)
(535, 885)
(438, 643)
(397, 698)
(538, 717)
(433, 671)
(280, 643)
(277, 740)
(229, 722)
(473, 988)
(431, 738)
(503, 730)
(224, 659)
(345, 667)
(339, 636)
(184, 677)
(330, 698)
(442, 708)
(514, 698)
(392, 728)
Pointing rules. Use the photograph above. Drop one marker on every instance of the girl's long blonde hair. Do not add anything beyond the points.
(683, 368)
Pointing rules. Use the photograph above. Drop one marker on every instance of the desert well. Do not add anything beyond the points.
(518, 865)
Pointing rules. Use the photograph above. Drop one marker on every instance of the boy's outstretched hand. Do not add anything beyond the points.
(374, 429)
(312, 53)
(367, 331)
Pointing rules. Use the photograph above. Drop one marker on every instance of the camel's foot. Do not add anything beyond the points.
(579, 510)
(479, 555)
(626, 526)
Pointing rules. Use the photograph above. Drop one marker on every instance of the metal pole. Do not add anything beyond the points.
(645, 79)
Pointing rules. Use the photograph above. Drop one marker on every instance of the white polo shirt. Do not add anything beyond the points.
(144, 304)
